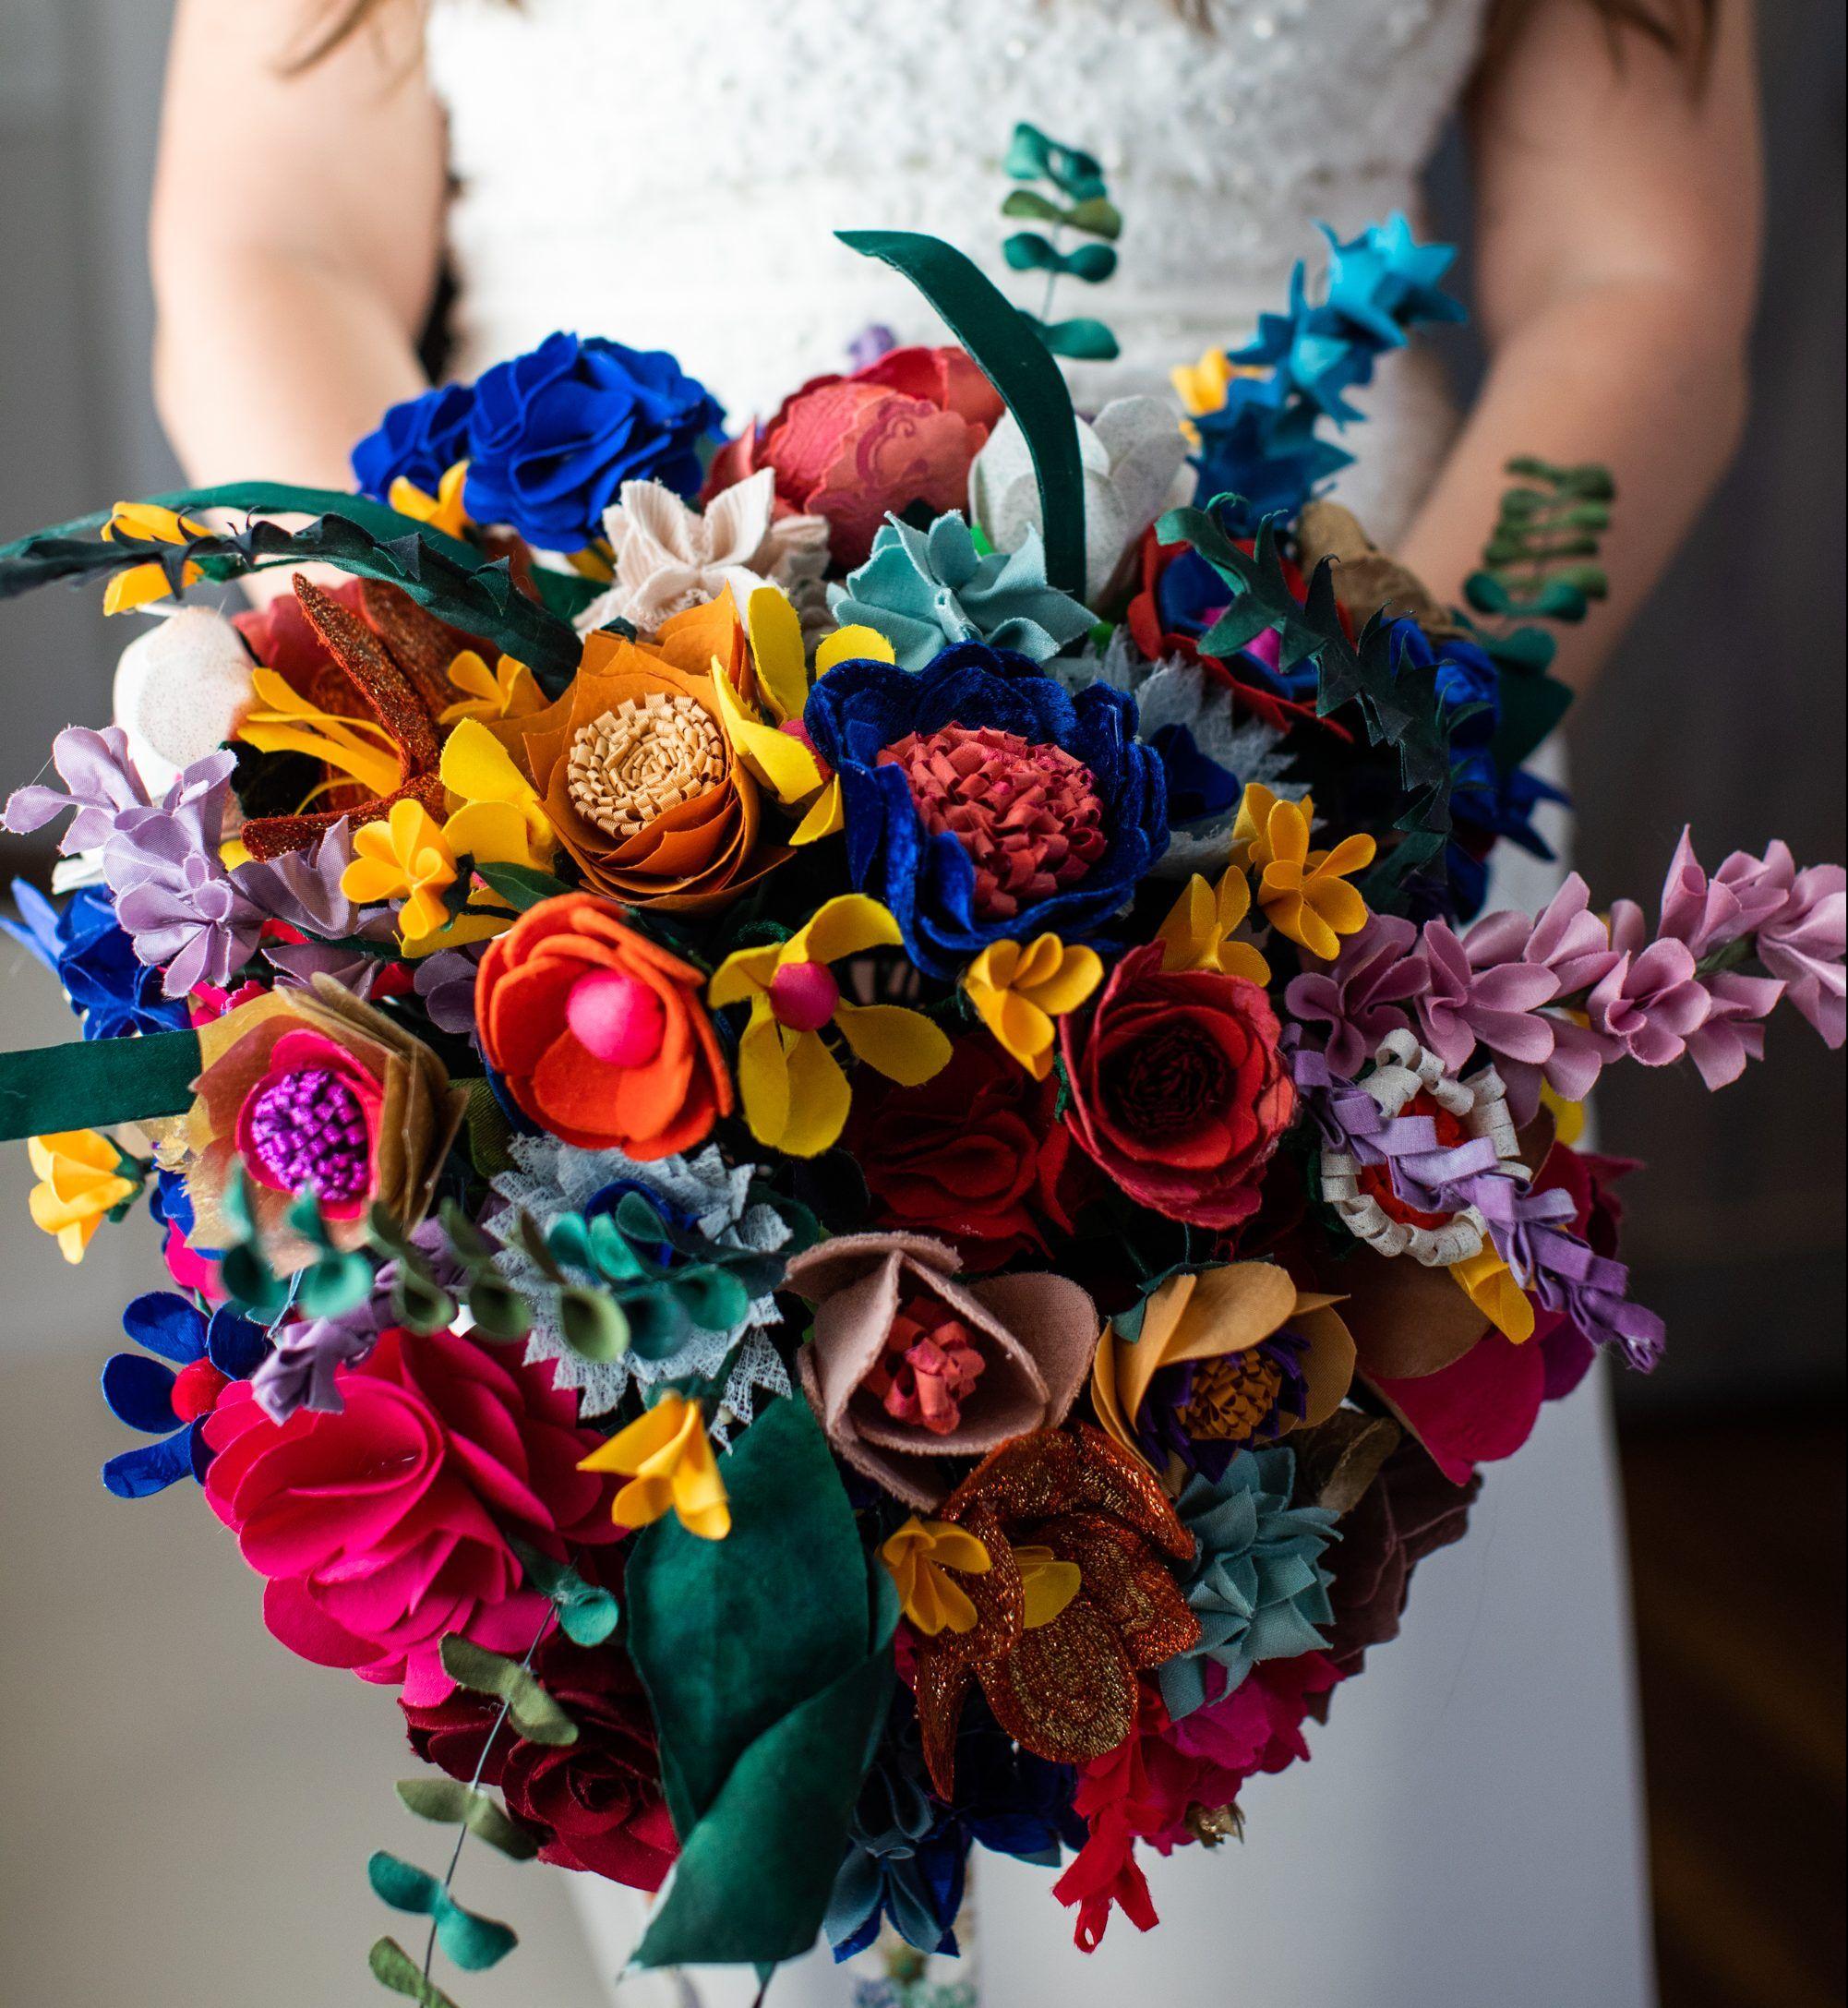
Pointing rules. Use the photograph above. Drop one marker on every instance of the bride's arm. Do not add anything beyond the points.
(296, 238)
(1616, 264)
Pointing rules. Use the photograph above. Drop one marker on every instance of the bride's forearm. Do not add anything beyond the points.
(1625, 373)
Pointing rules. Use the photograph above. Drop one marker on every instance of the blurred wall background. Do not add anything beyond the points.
(1727, 708)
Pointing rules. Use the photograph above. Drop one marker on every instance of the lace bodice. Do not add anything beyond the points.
(670, 175)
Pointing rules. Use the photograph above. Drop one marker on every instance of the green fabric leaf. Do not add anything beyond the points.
(520, 886)
(768, 1699)
(1022, 373)
(448, 1802)
(393, 1966)
(1033, 156)
(712, 1299)
(1082, 341)
(587, 1614)
(93, 1083)
(474, 1942)
(500, 1312)
(531, 1710)
(1095, 218)
(593, 1325)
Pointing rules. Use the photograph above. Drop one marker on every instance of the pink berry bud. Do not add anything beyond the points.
(615, 1018)
(803, 995)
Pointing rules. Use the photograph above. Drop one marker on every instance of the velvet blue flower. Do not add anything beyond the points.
(167, 1405)
(1257, 1584)
(556, 432)
(420, 440)
(116, 995)
(859, 709)
(1198, 786)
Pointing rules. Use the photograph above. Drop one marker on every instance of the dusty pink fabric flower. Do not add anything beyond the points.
(1708, 913)
(387, 1526)
(1359, 995)
(1733, 1031)
(1651, 1000)
(911, 1371)
(1477, 996)
(1802, 943)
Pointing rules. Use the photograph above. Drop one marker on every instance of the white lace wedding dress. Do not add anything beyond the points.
(1467, 1834)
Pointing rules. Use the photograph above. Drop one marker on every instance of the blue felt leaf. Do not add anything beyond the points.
(168, 1324)
(140, 1392)
(150, 1468)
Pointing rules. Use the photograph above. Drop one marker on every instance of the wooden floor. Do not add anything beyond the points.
(1737, 1551)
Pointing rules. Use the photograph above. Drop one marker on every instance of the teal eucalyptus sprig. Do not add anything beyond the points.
(1071, 197)
(1541, 561)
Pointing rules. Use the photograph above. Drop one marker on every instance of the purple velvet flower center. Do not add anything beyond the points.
(309, 1128)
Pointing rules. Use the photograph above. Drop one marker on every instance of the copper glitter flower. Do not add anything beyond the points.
(1066, 1689)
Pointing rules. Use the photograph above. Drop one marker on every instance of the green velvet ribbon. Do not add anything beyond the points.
(90, 1083)
(1022, 373)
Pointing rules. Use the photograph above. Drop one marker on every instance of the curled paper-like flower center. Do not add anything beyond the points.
(929, 1366)
(307, 1128)
(650, 754)
(1029, 815)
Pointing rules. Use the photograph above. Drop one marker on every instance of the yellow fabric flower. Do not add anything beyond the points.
(667, 1458)
(795, 1096)
(444, 510)
(1018, 990)
(406, 856)
(1490, 1285)
(285, 722)
(780, 761)
(920, 1557)
(1568, 1117)
(507, 690)
(145, 523)
(1198, 933)
(1202, 386)
(1049, 1584)
(1305, 893)
(495, 816)
(81, 1184)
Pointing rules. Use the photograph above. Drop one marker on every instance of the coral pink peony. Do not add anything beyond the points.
(387, 1526)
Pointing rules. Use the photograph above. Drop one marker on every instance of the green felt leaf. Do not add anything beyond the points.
(419, 1304)
(93, 1083)
(1092, 263)
(448, 1802)
(520, 886)
(336, 1284)
(531, 1710)
(532, 1239)
(1024, 374)
(1028, 251)
(1082, 341)
(474, 1942)
(712, 1299)
(489, 1131)
(768, 1699)
(1033, 156)
(657, 1323)
(500, 1312)
(593, 1324)
(472, 1246)
(393, 1968)
(1095, 218)
(587, 1614)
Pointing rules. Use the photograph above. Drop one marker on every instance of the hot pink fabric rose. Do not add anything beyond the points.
(387, 1526)
(905, 429)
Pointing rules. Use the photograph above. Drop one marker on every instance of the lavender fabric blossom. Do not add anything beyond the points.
(1490, 1001)
(302, 890)
(1651, 1000)
(1708, 913)
(1359, 995)
(1802, 944)
(102, 783)
(446, 984)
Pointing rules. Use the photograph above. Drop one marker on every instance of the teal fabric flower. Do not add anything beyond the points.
(925, 590)
(1257, 1584)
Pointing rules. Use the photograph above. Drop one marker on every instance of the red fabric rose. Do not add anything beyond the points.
(905, 429)
(386, 1526)
(977, 1154)
(596, 1804)
(1179, 1089)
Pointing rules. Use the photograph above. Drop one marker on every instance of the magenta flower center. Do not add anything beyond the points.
(803, 995)
(1029, 815)
(929, 1366)
(616, 1017)
(307, 1128)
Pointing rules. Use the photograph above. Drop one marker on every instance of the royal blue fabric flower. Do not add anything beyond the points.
(1469, 683)
(927, 877)
(116, 995)
(555, 433)
(172, 1405)
(1198, 786)
(420, 439)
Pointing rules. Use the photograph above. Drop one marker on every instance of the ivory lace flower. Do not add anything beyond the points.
(1018, 989)
(667, 1458)
(923, 1559)
(796, 1095)
(1305, 893)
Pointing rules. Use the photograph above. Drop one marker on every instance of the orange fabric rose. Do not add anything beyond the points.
(600, 1035)
(637, 772)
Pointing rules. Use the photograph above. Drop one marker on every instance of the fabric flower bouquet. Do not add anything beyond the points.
(846, 1173)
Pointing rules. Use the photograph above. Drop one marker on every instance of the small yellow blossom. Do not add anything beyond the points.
(146, 522)
(796, 1095)
(81, 1184)
(285, 722)
(1490, 1285)
(507, 690)
(1199, 930)
(1568, 1117)
(667, 1458)
(495, 816)
(444, 510)
(1018, 989)
(406, 856)
(920, 1557)
(1305, 893)
(1049, 1584)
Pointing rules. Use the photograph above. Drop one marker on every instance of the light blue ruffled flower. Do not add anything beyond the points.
(925, 590)
(1258, 1585)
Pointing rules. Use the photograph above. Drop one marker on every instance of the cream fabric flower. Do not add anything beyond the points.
(668, 558)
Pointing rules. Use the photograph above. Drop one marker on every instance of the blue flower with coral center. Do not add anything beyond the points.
(983, 801)
(170, 1402)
